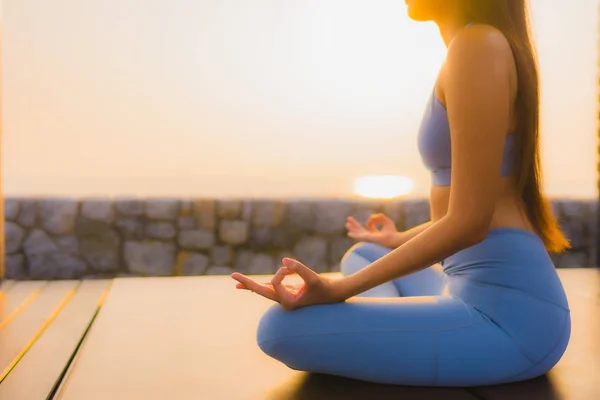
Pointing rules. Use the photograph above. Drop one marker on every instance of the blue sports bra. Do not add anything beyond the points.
(434, 144)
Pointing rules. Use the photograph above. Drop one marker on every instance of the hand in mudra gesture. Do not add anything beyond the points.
(316, 288)
(385, 236)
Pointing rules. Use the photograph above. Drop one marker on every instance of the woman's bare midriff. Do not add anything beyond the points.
(509, 211)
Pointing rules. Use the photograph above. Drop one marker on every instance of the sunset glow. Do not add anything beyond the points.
(383, 186)
(263, 98)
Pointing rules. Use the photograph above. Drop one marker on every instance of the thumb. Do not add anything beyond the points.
(307, 274)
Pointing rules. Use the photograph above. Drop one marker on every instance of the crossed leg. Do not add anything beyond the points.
(427, 282)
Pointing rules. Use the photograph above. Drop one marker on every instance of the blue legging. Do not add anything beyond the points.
(493, 313)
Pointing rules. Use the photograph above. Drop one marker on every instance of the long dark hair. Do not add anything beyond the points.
(511, 17)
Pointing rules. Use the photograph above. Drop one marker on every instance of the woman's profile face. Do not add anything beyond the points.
(429, 10)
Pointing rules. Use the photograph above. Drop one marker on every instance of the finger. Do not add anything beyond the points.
(384, 221)
(280, 290)
(358, 235)
(308, 275)
(356, 228)
(256, 287)
(280, 275)
(240, 285)
(353, 222)
(353, 229)
(375, 220)
(370, 224)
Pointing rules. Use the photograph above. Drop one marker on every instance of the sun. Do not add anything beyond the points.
(383, 186)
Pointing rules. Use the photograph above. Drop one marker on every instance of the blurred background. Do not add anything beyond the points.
(269, 98)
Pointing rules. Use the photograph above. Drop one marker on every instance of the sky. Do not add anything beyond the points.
(269, 98)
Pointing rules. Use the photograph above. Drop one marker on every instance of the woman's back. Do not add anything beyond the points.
(509, 209)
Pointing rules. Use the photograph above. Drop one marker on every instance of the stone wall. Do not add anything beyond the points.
(50, 238)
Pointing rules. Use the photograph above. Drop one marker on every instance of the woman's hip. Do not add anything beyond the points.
(509, 259)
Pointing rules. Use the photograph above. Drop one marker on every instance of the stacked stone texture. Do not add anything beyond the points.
(54, 238)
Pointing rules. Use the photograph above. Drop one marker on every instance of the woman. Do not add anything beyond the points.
(493, 310)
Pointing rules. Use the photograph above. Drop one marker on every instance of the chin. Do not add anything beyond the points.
(417, 11)
(415, 16)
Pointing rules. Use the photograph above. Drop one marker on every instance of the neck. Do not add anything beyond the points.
(450, 26)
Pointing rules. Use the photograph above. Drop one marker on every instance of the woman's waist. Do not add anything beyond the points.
(508, 211)
(484, 293)
(506, 248)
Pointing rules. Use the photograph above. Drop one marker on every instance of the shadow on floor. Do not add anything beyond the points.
(542, 388)
(325, 387)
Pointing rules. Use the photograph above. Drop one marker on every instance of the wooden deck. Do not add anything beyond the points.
(194, 338)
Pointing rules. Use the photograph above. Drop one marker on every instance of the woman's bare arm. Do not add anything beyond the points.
(402, 237)
(477, 93)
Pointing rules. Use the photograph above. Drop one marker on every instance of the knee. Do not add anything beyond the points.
(360, 255)
(275, 337)
(366, 250)
(271, 329)
(363, 251)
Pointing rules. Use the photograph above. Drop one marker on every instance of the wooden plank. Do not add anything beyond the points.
(194, 338)
(15, 300)
(189, 338)
(577, 374)
(5, 285)
(72, 365)
(37, 373)
(584, 283)
(28, 325)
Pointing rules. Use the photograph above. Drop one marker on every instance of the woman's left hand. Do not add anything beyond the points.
(316, 289)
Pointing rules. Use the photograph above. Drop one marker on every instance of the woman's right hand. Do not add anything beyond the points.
(387, 236)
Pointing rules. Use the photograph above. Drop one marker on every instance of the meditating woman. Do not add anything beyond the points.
(471, 297)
